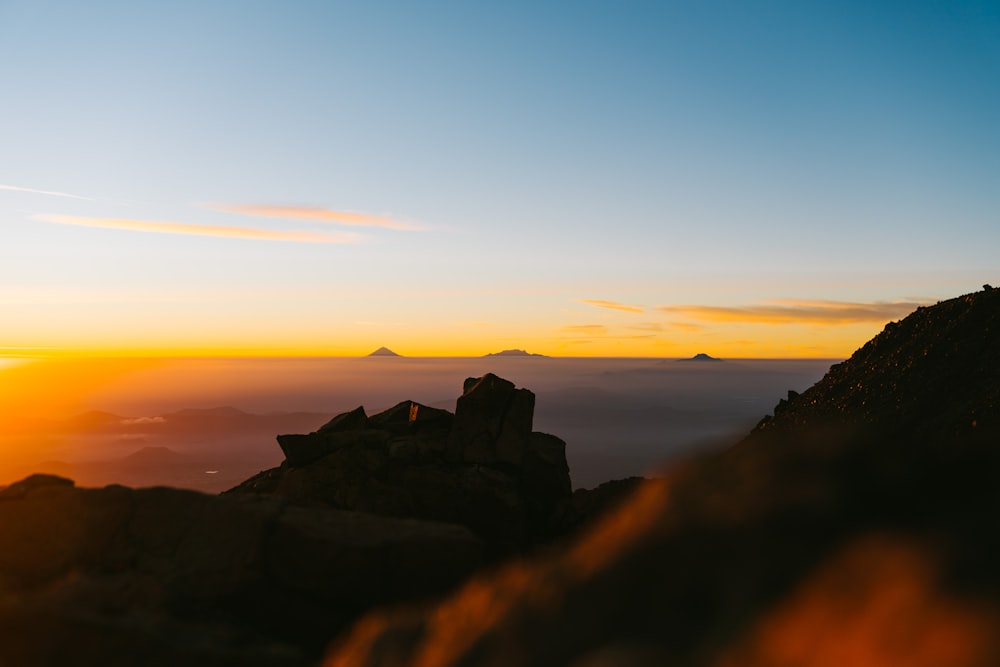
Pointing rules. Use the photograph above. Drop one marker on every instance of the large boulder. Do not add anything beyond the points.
(481, 467)
(492, 422)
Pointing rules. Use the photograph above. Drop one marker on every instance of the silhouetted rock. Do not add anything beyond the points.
(856, 526)
(482, 467)
(492, 421)
(930, 378)
(701, 356)
(383, 352)
(588, 504)
(513, 353)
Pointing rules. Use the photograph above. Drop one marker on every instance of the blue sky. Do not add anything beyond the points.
(514, 164)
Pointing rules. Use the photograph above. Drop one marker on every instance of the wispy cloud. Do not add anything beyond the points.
(49, 193)
(314, 213)
(611, 305)
(189, 229)
(585, 329)
(794, 311)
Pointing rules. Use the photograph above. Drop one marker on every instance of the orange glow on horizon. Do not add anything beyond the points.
(737, 340)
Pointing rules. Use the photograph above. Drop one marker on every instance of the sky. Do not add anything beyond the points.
(749, 179)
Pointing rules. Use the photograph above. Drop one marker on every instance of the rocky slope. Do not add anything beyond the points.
(856, 526)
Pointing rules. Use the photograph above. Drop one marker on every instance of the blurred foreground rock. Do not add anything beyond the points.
(159, 576)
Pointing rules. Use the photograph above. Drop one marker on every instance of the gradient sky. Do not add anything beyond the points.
(445, 178)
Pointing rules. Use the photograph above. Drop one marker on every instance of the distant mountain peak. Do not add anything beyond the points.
(701, 356)
(383, 352)
(513, 353)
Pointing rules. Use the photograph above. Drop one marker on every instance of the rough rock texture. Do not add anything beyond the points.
(163, 576)
(930, 378)
(482, 467)
(856, 527)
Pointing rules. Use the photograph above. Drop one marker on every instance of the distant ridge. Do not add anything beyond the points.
(383, 352)
(513, 353)
(701, 356)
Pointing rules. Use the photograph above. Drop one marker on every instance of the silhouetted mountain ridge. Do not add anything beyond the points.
(933, 377)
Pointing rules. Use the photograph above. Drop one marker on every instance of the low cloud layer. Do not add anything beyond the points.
(792, 311)
(189, 229)
(314, 213)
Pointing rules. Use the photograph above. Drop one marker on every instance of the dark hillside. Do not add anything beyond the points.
(933, 377)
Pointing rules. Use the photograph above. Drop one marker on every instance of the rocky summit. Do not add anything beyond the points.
(482, 467)
(855, 526)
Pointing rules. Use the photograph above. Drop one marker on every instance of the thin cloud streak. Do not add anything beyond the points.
(612, 305)
(315, 213)
(188, 229)
(49, 193)
(792, 311)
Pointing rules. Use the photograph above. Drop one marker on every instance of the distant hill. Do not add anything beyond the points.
(383, 352)
(153, 456)
(95, 420)
(701, 356)
(513, 353)
(225, 411)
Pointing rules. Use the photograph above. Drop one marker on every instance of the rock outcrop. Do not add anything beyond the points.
(855, 526)
(482, 467)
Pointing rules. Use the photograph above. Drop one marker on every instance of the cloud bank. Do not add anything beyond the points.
(188, 229)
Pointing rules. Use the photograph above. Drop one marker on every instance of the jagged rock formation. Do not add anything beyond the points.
(482, 467)
(856, 526)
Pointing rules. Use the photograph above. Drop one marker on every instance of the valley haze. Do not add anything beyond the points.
(210, 423)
